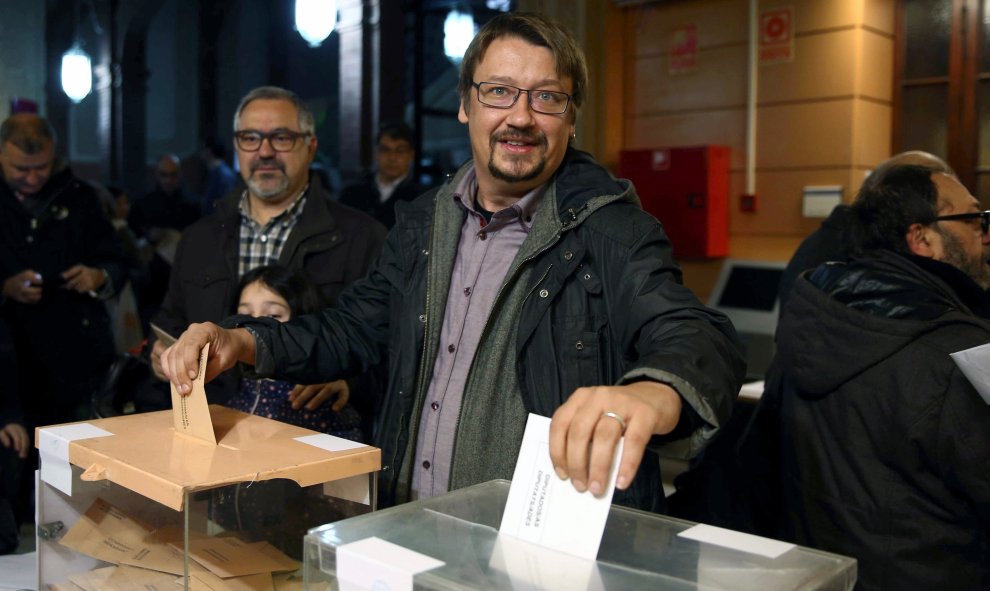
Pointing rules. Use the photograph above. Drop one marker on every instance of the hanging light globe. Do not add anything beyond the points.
(458, 31)
(77, 73)
(315, 20)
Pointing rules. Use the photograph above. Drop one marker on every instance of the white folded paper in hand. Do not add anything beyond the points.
(545, 510)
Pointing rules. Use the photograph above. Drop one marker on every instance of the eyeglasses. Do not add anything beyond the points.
(280, 141)
(983, 215)
(503, 96)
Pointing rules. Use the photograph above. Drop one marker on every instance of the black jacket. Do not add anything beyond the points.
(885, 445)
(334, 245)
(828, 243)
(160, 210)
(605, 305)
(64, 343)
(364, 195)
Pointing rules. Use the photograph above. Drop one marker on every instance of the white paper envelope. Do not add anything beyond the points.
(545, 510)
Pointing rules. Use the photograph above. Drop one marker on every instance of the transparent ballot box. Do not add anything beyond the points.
(639, 550)
(129, 503)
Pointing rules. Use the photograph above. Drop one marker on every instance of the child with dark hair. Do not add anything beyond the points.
(280, 293)
(279, 511)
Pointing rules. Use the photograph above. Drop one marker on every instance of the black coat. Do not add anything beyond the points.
(605, 306)
(64, 343)
(885, 445)
(334, 245)
(828, 243)
(159, 210)
(364, 195)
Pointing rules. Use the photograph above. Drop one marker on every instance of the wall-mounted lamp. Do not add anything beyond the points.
(315, 20)
(458, 31)
(77, 73)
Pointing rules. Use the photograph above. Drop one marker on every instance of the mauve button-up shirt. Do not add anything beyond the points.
(484, 254)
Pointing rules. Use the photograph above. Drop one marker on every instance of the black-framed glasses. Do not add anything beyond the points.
(983, 215)
(281, 141)
(503, 96)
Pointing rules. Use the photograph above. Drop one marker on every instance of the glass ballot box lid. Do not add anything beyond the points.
(639, 550)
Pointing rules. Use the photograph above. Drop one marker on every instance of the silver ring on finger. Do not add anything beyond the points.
(617, 417)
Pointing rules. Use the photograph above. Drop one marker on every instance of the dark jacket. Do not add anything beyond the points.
(828, 243)
(603, 304)
(885, 445)
(334, 245)
(160, 210)
(364, 195)
(64, 343)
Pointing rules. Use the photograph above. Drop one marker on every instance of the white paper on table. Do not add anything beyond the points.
(329, 442)
(374, 563)
(53, 449)
(975, 365)
(545, 510)
(353, 488)
(736, 540)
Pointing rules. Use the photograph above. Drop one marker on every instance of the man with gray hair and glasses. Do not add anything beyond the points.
(883, 443)
(532, 281)
(283, 217)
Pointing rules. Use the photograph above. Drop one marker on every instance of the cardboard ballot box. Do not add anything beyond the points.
(452, 542)
(128, 502)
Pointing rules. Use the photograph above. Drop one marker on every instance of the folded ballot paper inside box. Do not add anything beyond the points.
(133, 480)
(142, 557)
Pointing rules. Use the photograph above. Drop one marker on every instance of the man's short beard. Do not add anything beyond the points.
(270, 194)
(976, 268)
(516, 178)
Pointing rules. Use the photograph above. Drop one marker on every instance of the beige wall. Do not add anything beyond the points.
(822, 119)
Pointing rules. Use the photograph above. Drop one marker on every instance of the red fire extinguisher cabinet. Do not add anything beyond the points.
(687, 189)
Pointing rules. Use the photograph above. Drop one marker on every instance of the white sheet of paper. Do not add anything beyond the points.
(545, 510)
(53, 449)
(374, 563)
(752, 391)
(728, 538)
(975, 365)
(353, 488)
(329, 442)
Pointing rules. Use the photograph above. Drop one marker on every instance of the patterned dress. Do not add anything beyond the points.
(270, 398)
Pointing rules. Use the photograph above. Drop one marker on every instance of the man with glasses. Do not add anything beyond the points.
(829, 241)
(884, 444)
(532, 281)
(378, 192)
(283, 217)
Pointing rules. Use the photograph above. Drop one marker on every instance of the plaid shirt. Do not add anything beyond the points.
(260, 246)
